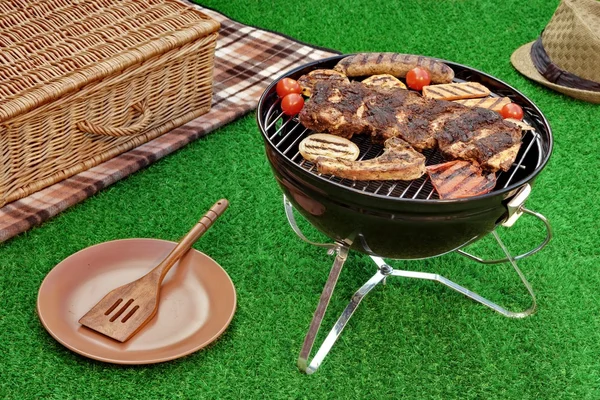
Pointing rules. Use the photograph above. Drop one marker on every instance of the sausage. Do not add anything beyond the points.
(395, 64)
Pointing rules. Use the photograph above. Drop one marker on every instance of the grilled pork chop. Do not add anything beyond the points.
(461, 132)
(399, 161)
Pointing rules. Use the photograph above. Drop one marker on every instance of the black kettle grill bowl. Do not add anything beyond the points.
(391, 226)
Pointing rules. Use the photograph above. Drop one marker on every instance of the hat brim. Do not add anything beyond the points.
(521, 60)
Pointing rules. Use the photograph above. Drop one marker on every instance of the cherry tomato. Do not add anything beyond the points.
(292, 103)
(512, 110)
(287, 86)
(417, 77)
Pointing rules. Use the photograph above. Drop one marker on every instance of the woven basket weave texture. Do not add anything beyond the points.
(81, 82)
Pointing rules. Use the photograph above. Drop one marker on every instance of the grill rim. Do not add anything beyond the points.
(502, 192)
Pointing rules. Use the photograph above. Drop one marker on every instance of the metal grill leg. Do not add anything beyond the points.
(303, 363)
(461, 289)
(384, 270)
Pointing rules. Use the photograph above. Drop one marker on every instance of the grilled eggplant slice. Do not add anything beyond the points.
(491, 103)
(328, 146)
(456, 91)
(384, 81)
(459, 179)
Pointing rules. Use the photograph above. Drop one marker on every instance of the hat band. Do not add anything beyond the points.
(555, 74)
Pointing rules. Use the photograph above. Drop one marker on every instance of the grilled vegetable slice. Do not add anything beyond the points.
(328, 146)
(458, 179)
(491, 103)
(455, 91)
(385, 81)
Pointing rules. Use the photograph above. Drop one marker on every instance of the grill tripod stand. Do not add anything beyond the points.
(384, 270)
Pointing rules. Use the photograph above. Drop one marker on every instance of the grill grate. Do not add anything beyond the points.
(285, 134)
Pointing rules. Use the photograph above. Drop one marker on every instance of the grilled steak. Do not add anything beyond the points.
(482, 136)
(472, 134)
(337, 109)
(308, 81)
(399, 161)
(403, 113)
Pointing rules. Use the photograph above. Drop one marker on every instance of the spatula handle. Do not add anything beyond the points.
(191, 237)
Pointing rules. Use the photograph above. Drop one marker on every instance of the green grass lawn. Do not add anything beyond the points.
(409, 339)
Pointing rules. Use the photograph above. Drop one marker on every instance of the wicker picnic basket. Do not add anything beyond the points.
(83, 81)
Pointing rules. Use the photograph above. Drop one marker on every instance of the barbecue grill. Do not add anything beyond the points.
(400, 220)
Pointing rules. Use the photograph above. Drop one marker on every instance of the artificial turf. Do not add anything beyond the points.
(409, 339)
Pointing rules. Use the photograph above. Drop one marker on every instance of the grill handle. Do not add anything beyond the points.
(522, 210)
(133, 129)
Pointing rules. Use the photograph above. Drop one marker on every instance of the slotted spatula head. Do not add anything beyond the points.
(127, 309)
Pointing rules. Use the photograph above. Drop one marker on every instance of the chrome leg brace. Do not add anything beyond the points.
(383, 271)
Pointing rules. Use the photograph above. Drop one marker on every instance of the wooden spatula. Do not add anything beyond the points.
(126, 309)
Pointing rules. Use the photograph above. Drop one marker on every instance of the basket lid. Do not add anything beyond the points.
(49, 48)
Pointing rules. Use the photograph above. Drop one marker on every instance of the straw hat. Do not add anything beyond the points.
(566, 57)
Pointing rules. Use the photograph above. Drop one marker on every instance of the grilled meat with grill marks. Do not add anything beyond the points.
(399, 161)
(481, 136)
(457, 179)
(472, 134)
(337, 109)
(403, 113)
(308, 81)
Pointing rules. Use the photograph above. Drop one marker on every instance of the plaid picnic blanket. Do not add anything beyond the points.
(247, 59)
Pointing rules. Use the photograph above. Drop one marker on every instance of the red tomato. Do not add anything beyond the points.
(417, 77)
(287, 86)
(292, 104)
(512, 110)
